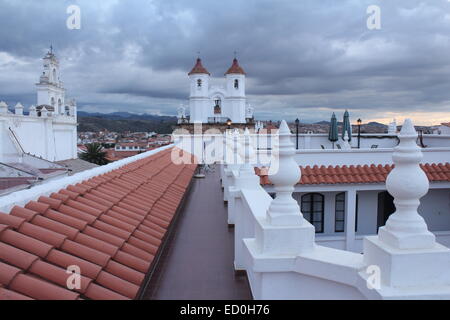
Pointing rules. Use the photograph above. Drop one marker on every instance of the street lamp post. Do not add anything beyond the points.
(229, 124)
(359, 133)
(297, 122)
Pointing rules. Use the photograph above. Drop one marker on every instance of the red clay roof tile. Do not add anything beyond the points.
(40, 289)
(11, 220)
(53, 203)
(97, 292)
(64, 260)
(57, 275)
(26, 243)
(75, 226)
(7, 273)
(125, 272)
(37, 207)
(26, 214)
(16, 257)
(117, 284)
(85, 252)
(357, 174)
(42, 234)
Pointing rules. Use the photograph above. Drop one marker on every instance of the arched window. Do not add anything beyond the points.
(339, 213)
(199, 83)
(54, 75)
(236, 84)
(313, 211)
(53, 102)
(217, 107)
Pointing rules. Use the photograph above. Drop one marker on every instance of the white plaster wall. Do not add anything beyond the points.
(297, 286)
(367, 212)
(435, 209)
(53, 139)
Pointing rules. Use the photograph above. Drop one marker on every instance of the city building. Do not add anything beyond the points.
(49, 130)
(216, 106)
(35, 145)
(301, 231)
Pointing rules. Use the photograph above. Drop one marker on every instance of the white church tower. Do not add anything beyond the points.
(214, 104)
(236, 100)
(49, 130)
(199, 100)
(50, 89)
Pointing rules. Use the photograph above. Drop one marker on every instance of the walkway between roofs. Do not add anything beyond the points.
(197, 263)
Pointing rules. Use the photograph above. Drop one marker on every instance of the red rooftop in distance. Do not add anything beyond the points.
(357, 174)
(235, 68)
(199, 68)
(110, 226)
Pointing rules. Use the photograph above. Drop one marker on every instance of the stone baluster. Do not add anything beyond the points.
(284, 210)
(44, 112)
(407, 183)
(346, 145)
(3, 107)
(247, 177)
(405, 252)
(284, 231)
(235, 147)
(18, 109)
(33, 112)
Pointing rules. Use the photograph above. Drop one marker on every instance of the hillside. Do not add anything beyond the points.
(123, 121)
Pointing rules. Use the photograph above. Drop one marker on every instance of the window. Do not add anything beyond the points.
(312, 209)
(236, 84)
(339, 213)
(199, 83)
(356, 213)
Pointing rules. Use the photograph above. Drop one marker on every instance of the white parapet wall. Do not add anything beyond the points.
(21, 198)
(276, 246)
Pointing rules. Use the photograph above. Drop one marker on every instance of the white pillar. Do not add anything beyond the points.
(33, 112)
(247, 177)
(284, 209)
(3, 107)
(284, 231)
(18, 109)
(410, 263)
(407, 183)
(350, 219)
(346, 145)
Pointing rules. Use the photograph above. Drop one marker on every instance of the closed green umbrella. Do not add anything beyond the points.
(333, 134)
(347, 127)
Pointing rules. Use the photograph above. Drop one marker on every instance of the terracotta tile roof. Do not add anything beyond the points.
(357, 174)
(235, 68)
(199, 68)
(447, 124)
(110, 226)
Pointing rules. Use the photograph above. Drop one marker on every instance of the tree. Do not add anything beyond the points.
(94, 154)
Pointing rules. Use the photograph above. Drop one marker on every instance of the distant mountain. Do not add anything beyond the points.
(325, 123)
(125, 121)
(376, 124)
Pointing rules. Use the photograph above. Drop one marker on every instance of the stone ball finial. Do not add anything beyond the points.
(407, 183)
(284, 209)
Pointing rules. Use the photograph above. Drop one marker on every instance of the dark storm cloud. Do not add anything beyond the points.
(133, 55)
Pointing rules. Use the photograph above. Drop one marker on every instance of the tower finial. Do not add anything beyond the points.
(235, 54)
(51, 48)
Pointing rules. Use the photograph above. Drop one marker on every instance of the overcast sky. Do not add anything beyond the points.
(304, 58)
